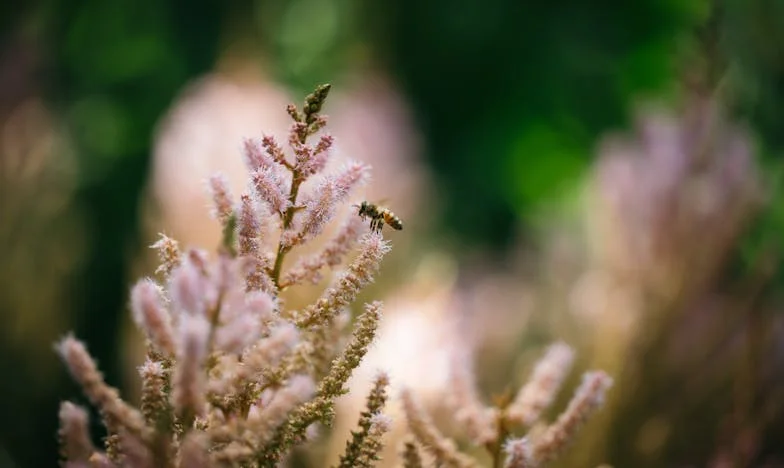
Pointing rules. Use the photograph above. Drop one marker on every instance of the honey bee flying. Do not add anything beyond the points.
(378, 216)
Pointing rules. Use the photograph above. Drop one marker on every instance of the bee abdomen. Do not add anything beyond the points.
(393, 221)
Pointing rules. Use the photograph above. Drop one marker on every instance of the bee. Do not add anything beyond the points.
(378, 216)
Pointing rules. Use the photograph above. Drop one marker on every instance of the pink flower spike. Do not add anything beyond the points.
(151, 317)
(188, 381)
(221, 198)
(249, 226)
(271, 188)
(260, 304)
(189, 288)
(255, 156)
(273, 149)
(239, 333)
(333, 190)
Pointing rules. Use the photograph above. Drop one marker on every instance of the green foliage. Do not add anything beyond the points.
(487, 77)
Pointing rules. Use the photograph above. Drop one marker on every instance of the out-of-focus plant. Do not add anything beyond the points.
(683, 332)
(493, 427)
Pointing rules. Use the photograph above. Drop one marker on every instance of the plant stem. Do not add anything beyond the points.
(296, 180)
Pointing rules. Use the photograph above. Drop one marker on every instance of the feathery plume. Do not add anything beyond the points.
(271, 188)
(370, 450)
(273, 150)
(156, 381)
(256, 154)
(540, 391)
(116, 413)
(188, 380)
(98, 460)
(309, 268)
(269, 351)
(193, 451)
(151, 317)
(168, 253)
(319, 156)
(420, 424)
(587, 399)
(249, 227)
(519, 453)
(75, 443)
(332, 190)
(188, 288)
(249, 234)
(300, 389)
(261, 305)
(364, 333)
(359, 274)
(134, 450)
(469, 412)
(238, 333)
(361, 440)
(321, 408)
(222, 204)
(411, 456)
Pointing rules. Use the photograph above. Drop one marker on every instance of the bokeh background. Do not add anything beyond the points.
(602, 172)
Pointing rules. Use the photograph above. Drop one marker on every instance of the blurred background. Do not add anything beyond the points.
(603, 172)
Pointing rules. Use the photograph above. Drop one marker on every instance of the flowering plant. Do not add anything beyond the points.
(233, 377)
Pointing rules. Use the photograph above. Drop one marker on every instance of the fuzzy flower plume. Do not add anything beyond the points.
(586, 400)
(231, 377)
(188, 380)
(74, 434)
(411, 456)
(249, 240)
(331, 192)
(540, 391)
(168, 253)
(359, 274)
(262, 425)
(321, 407)
(270, 188)
(248, 227)
(494, 428)
(519, 454)
(262, 153)
(442, 448)
(365, 444)
(193, 452)
(308, 269)
(151, 317)
(221, 198)
(115, 412)
(156, 379)
(478, 420)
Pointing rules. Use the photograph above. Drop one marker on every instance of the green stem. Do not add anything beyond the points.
(296, 180)
(502, 428)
